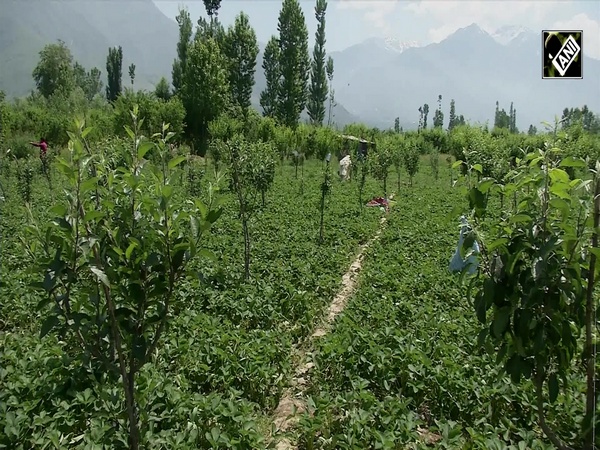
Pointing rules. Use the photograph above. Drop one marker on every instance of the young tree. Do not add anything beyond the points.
(185, 36)
(397, 124)
(54, 69)
(113, 292)
(332, 104)
(241, 49)
(294, 63)
(252, 171)
(132, 73)
(270, 65)
(318, 78)
(114, 66)
(411, 159)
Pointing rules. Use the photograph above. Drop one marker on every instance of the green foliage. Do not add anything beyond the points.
(206, 89)
(294, 63)
(185, 35)
(162, 90)
(434, 162)
(411, 159)
(533, 294)
(272, 71)
(318, 78)
(54, 70)
(241, 49)
(24, 179)
(114, 72)
(115, 225)
(382, 160)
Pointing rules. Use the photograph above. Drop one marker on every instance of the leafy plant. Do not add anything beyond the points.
(411, 160)
(535, 292)
(114, 255)
(325, 191)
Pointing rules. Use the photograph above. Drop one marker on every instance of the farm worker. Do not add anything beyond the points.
(457, 263)
(43, 145)
(345, 164)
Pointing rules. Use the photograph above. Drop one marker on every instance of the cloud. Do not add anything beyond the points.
(377, 11)
(489, 15)
(591, 32)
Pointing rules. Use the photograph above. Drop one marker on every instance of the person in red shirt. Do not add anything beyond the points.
(43, 145)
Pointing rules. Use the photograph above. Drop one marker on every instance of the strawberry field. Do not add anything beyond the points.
(182, 294)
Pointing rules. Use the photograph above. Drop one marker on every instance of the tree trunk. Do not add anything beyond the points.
(322, 217)
(246, 247)
(590, 347)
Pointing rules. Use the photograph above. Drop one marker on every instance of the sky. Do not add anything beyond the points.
(350, 22)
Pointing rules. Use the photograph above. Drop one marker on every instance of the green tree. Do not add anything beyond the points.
(397, 124)
(112, 292)
(270, 65)
(185, 35)
(205, 89)
(241, 49)
(162, 90)
(294, 63)
(452, 116)
(114, 70)
(532, 130)
(212, 8)
(332, 104)
(425, 114)
(54, 69)
(438, 118)
(132, 73)
(318, 78)
(94, 83)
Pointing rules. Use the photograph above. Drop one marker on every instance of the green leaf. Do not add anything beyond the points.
(572, 161)
(207, 254)
(129, 132)
(48, 324)
(553, 387)
(100, 275)
(478, 168)
(89, 184)
(486, 184)
(129, 250)
(85, 132)
(457, 164)
(59, 210)
(144, 148)
(501, 318)
(176, 161)
(214, 215)
(559, 175)
(519, 218)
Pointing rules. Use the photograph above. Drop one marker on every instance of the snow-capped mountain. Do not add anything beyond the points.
(505, 35)
(397, 45)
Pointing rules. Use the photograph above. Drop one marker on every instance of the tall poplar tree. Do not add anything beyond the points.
(294, 63)
(185, 35)
(241, 49)
(114, 73)
(270, 65)
(318, 78)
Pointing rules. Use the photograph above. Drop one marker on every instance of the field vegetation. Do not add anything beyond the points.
(165, 268)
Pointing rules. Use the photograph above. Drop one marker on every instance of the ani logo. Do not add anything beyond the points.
(562, 54)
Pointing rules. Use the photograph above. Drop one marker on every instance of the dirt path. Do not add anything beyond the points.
(292, 402)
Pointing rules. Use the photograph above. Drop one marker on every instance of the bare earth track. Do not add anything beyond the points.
(292, 403)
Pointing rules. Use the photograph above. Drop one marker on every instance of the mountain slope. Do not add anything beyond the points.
(147, 36)
(473, 68)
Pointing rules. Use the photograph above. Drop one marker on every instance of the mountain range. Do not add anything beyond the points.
(374, 81)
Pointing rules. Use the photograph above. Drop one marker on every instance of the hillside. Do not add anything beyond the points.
(470, 66)
(89, 28)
